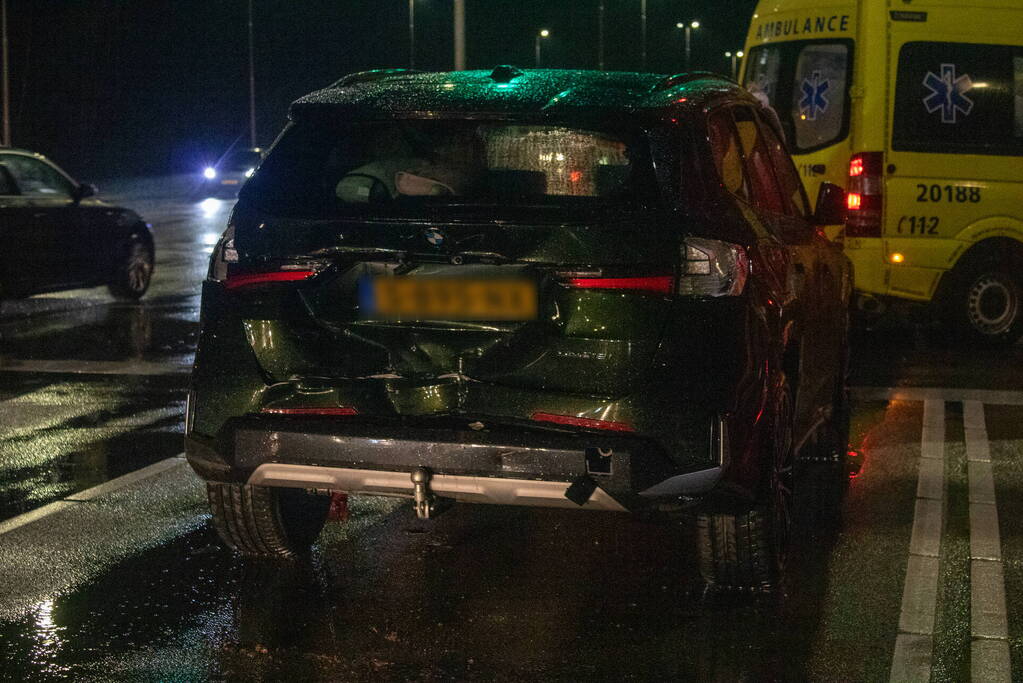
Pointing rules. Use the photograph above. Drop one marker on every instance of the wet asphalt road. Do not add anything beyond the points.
(126, 581)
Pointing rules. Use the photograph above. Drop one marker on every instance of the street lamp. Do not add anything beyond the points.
(734, 56)
(688, 28)
(543, 33)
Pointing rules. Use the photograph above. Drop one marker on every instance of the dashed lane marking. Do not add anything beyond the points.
(989, 648)
(915, 641)
(92, 493)
(95, 367)
(993, 397)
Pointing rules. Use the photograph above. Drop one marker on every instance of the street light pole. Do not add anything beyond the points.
(411, 34)
(543, 33)
(6, 77)
(459, 35)
(688, 29)
(734, 56)
(252, 85)
(642, 31)
(600, 35)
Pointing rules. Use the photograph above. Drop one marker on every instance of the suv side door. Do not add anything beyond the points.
(58, 247)
(777, 195)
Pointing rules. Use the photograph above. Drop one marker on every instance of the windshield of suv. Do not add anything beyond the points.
(807, 84)
(322, 169)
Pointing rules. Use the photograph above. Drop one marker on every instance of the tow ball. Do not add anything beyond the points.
(426, 503)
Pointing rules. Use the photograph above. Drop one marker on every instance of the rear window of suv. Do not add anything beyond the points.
(323, 169)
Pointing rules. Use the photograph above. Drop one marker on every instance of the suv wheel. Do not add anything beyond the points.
(987, 302)
(266, 522)
(133, 270)
(747, 550)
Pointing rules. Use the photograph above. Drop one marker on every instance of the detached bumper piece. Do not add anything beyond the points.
(501, 464)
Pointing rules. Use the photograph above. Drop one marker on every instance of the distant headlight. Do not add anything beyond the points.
(210, 173)
(248, 173)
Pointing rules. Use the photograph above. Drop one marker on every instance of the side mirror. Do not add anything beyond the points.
(85, 190)
(831, 205)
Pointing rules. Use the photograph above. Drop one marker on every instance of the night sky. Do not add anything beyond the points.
(131, 87)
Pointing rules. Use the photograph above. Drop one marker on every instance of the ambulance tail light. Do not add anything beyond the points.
(865, 195)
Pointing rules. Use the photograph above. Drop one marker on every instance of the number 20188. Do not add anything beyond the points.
(960, 194)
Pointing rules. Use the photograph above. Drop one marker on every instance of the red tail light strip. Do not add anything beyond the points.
(340, 410)
(586, 422)
(659, 284)
(247, 279)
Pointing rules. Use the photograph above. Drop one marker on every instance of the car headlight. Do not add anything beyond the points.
(210, 173)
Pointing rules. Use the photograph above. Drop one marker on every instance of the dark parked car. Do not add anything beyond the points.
(57, 235)
(557, 288)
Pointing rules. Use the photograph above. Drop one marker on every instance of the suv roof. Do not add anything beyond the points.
(507, 89)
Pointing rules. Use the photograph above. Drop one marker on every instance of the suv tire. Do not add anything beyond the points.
(133, 270)
(747, 549)
(986, 303)
(266, 522)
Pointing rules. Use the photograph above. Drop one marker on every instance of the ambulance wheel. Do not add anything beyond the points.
(986, 303)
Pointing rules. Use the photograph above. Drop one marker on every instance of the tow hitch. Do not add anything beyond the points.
(426, 503)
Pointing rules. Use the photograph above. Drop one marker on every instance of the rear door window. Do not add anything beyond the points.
(792, 192)
(724, 147)
(765, 193)
(959, 98)
(807, 84)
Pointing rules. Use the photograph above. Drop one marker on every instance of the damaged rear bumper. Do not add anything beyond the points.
(498, 464)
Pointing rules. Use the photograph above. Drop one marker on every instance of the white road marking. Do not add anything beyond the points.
(914, 644)
(989, 650)
(92, 493)
(992, 397)
(95, 367)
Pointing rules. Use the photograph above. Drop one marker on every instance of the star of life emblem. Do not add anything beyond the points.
(814, 100)
(948, 94)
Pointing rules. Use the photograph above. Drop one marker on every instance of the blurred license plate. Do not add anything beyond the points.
(229, 181)
(412, 298)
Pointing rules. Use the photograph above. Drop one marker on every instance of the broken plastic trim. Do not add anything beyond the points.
(339, 410)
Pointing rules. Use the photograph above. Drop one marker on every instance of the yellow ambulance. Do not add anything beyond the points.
(916, 108)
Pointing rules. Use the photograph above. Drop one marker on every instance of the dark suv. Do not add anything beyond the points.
(568, 289)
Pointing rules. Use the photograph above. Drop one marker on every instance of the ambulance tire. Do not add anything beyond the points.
(986, 301)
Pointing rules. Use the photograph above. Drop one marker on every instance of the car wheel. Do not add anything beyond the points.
(987, 302)
(134, 269)
(266, 522)
(747, 549)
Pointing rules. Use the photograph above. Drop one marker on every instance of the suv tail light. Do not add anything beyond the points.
(865, 195)
(656, 284)
(236, 280)
(712, 268)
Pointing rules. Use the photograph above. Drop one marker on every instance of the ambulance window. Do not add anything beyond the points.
(819, 95)
(959, 98)
(724, 147)
(762, 74)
